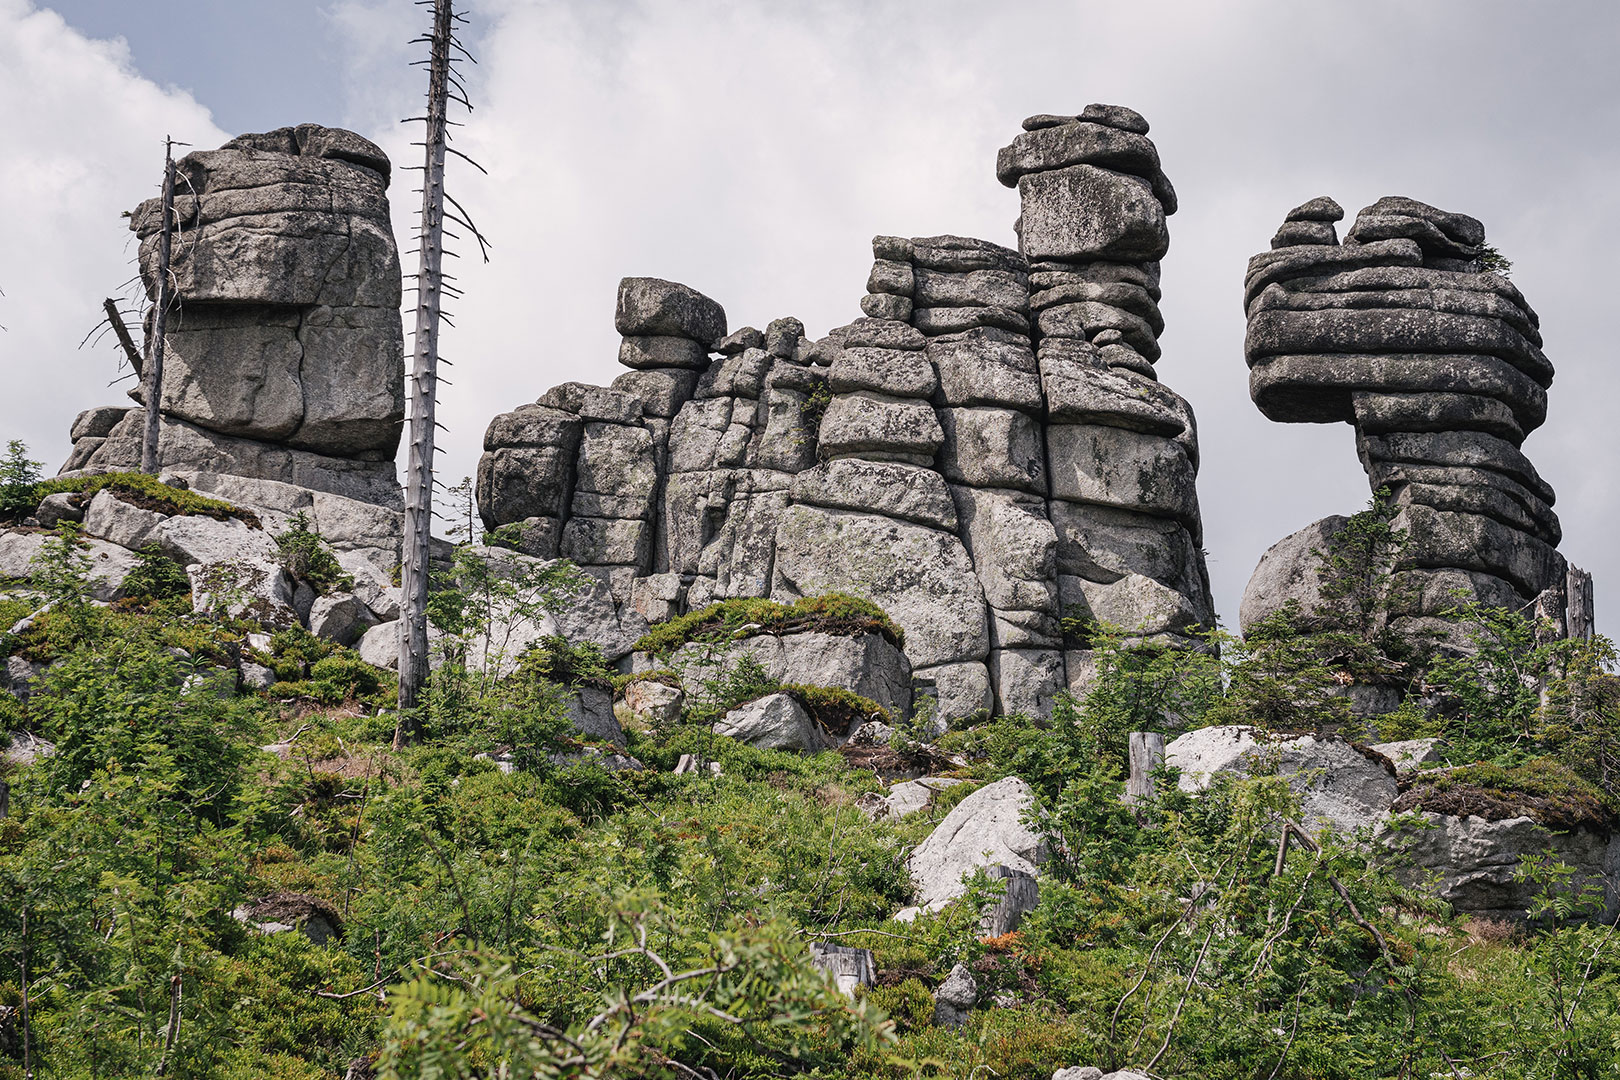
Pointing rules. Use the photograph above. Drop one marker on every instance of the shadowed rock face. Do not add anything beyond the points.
(1402, 332)
(283, 378)
(984, 452)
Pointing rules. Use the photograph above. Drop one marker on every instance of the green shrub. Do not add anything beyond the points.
(338, 677)
(19, 482)
(832, 613)
(1541, 789)
(556, 660)
(307, 557)
(156, 577)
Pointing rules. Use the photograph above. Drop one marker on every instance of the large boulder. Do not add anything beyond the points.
(1340, 786)
(988, 828)
(865, 664)
(1478, 866)
(1290, 570)
(774, 722)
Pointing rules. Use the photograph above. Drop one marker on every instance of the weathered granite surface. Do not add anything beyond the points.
(986, 451)
(283, 374)
(1403, 332)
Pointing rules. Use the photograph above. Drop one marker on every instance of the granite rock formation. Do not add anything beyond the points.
(985, 452)
(1404, 332)
(283, 382)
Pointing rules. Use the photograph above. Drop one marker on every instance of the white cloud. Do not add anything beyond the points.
(84, 143)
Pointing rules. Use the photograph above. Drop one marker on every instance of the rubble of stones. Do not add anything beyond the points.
(985, 453)
(1403, 332)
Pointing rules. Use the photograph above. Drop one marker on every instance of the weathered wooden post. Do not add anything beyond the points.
(1146, 754)
(1579, 610)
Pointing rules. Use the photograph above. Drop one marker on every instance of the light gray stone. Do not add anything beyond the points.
(1087, 1072)
(379, 646)
(651, 306)
(985, 829)
(898, 373)
(1477, 866)
(955, 997)
(773, 722)
(661, 392)
(978, 288)
(868, 424)
(56, 508)
(245, 588)
(914, 796)
(663, 353)
(340, 617)
(1339, 787)
(654, 702)
(590, 713)
(1129, 470)
(1409, 755)
(921, 577)
(97, 423)
(957, 691)
(1083, 212)
(116, 521)
(1136, 604)
(1026, 680)
(992, 448)
(888, 488)
(982, 367)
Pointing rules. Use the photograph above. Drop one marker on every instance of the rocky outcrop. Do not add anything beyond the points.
(1339, 786)
(1403, 331)
(283, 380)
(986, 451)
(986, 829)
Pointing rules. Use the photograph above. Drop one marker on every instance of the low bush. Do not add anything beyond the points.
(1542, 789)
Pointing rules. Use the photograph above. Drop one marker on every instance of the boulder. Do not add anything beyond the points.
(25, 748)
(653, 702)
(590, 713)
(55, 508)
(985, 829)
(379, 646)
(1086, 1072)
(913, 796)
(888, 488)
(652, 306)
(245, 588)
(865, 664)
(773, 722)
(1340, 787)
(1409, 755)
(340, 617)
(1476, 865)
(955, 691)
(875, 425)
(110, 518)
(955, 997)
(1290, 570)
(923, 578)
(1084, 212)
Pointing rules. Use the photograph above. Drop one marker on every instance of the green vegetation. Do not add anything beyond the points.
(308, 557)
(139, 489)
(564, 920)
(833, 613)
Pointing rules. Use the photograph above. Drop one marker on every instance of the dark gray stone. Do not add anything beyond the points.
(654, 307)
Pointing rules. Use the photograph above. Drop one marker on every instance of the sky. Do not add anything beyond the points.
(752, 150)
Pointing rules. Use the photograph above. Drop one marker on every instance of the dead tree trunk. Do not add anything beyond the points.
(152, 374)
(1579, 609)
(1147, 754)
(127, 343)
(413, 642)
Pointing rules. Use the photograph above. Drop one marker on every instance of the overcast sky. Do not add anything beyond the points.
(752, 150)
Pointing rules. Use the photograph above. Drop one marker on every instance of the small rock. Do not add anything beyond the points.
(955, 997)
(1410, 754)
(56, 508)
(25, 748)
(1078, 1072)
(340, 617)
(257, 676)
(379, 646)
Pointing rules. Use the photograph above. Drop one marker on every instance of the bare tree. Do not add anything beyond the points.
(431, 288)
(152, 372)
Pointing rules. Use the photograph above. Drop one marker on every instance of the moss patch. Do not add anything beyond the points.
(146, 492)
(1542, 790)
(833, 613)
(838, 711)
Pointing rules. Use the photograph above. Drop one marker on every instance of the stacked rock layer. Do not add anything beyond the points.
(1403, 332)
(985, 454)
(283, 363)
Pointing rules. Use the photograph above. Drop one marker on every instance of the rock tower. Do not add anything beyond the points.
(283, 371)
(986, 452)
(1403, 332)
